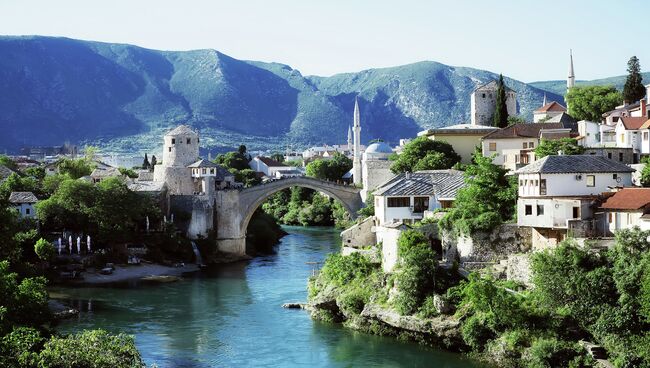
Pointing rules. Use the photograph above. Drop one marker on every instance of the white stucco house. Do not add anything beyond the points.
(548, 111)
(558, 192)
(625, 209)
(588, 133)
(24, 203)
(272, 168)
(464, 138)
(405, 197)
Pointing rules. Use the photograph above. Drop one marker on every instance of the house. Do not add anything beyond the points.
(557, 193)
(514, 146)
(622, 155)
(548, 111)
(99, 174)
(5, 172)
(205, 168)
(24, 202)
(405, 197)
(588, 133)
(628, 133)
(464, 138)
(626, 208)
(483, 103)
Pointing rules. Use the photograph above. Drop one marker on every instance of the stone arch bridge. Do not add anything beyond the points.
(234, 208)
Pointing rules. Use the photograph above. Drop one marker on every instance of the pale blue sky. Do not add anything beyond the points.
(527, 40)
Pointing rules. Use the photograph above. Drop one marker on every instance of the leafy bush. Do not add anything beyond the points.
(340, 269)
(477, 330)
(428, 308)
(423, 153)
(20, 347)
(415, 277)
(551, 352)
(44, 249)
(91, 349)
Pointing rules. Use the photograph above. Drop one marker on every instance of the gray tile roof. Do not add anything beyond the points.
(443, 183)
(181, 130)
(5, 172)
(203, 163)
(22, 197)
(555, 164)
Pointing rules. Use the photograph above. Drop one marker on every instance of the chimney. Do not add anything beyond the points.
(407, 175)
(642, 106)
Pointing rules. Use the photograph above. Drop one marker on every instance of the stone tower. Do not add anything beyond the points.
(483, 103)
(180, 149)
(349, 138)
(356, 162)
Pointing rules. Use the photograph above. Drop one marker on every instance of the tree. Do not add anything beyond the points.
(590, 103)
(568, 146)
(44, 249)
(645, 176)
(332, 169)
(441, 155)
(76, 168)
(154, 161)
(8, 162)
(487, 200)
(633, 90)
(500, 117)
(512, 120)
(242, 149)
(145, 164)
(233, 160)
(278, 157)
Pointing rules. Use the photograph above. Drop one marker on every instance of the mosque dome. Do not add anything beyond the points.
(379, 147)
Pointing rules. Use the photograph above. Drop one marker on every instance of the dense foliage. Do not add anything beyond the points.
(488, 199)
(415, 278)
(500, 117)
(237, 163)
(634, 90)
(423, 153)
(306, 207)
(332, 169)
(589, 103)
(108, 211)
(568, 146)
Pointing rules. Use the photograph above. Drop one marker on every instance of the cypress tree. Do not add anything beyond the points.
(154, 161)
(500, 117)
(634, 89)
(145, 163)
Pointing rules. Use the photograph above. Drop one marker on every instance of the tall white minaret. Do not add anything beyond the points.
(356, 162)
(544, 102)
(571, 79)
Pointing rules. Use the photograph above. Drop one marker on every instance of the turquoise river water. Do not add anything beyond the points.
(231, 316)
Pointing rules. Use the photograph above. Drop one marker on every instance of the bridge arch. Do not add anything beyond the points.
(251, 198)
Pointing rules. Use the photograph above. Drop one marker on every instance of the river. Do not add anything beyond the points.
(231, 316)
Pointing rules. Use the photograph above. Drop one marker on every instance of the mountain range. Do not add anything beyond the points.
(123, 97)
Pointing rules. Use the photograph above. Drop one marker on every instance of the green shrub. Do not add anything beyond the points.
(415, 276)
(340, 269)
(20, 347)
(551, 352)
(428, 308)
(91, 349)
(476, 330)
(44, 249)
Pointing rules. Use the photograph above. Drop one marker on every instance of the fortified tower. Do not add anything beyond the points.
(483, 103)
(180, 149)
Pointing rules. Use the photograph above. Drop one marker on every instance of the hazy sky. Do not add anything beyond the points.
(526, 40)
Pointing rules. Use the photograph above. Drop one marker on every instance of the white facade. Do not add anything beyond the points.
(627, 138)
(26, 210)
(589, 133)
(406, 209)
(257, 164)
(510, 152)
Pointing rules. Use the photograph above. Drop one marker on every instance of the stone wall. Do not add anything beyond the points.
(388, 236)
(490, 247)
(518, 269)
(360, 235)
(375, 173)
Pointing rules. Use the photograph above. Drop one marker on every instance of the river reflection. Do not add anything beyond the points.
(231, 316)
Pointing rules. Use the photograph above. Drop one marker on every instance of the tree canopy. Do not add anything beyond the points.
(423, 153)
(332, 169)
(633, 90)
(487, 200)
(590, 103)
(500, 117)
(568, 146)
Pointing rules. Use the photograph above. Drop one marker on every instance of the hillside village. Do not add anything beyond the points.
(485, 195)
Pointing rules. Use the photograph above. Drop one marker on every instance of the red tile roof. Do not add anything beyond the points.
(523, 130)
(633, 123)
(552, 106)
(628, 199)
(270, 162)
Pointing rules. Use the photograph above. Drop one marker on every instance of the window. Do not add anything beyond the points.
(540, 210)
(645, 136)
(576, 212)
(528, 209)
(173, 140)
(536, 183)
(170, 149)
(609, 155)
(27, 211)
(399, 202)
(591, 180)
(420, 204)
(615, 176)
(542, 186)
(483, 95)
(211, 171)
(493, 146)
(622, 138)
(521, 182)
(531, 144)
(525, 145)
(620, 156)
(610, 217)
(189, 140)
(203, 171)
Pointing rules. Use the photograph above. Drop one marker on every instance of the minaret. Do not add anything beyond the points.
(350, 138)
(544, 103)
(571, 79)
(356, 162)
